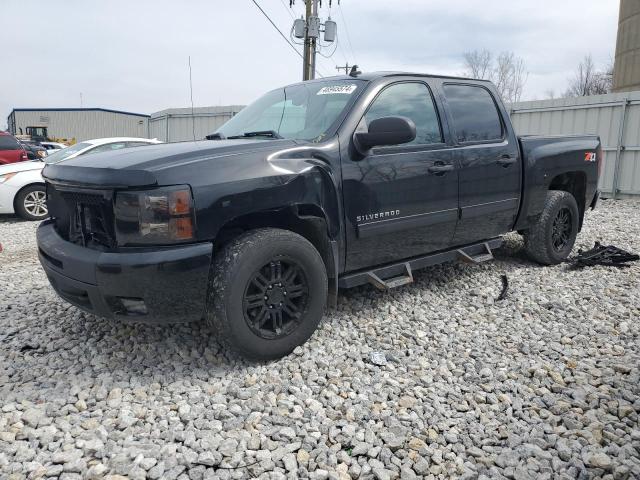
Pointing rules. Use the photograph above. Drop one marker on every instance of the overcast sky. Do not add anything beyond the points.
(132, 55)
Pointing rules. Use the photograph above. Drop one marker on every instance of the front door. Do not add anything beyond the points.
(400, 201)
(487, 155)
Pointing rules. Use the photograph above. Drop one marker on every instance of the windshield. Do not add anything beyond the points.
(304, 111)
(64, 153)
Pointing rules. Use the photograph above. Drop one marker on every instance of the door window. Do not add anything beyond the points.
(412, 100)
(9, 143)
(474, 113)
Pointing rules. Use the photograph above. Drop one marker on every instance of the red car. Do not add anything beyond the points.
(11, 150)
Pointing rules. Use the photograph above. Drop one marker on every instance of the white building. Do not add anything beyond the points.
(79, 123)
(179, 124)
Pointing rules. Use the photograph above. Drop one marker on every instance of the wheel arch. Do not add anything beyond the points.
(307, 220)
(15, 198)
(575, 183)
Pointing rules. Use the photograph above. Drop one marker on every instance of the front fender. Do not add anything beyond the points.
(298, 176)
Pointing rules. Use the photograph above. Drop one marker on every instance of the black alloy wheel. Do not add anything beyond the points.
(550, 239)
(276, 298)
(268, 289)
(562, 229)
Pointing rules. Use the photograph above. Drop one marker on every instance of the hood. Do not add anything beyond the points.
(21, 166)
(144, 166)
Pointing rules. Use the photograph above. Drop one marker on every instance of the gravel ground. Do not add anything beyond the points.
(543, 384)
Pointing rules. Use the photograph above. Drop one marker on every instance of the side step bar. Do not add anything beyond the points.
(390, 283)
(398, 274)
(485, 256)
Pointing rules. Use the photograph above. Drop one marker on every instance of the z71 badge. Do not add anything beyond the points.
(590, 157)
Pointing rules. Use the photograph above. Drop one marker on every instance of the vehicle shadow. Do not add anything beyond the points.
(49, 347)
(11, 218)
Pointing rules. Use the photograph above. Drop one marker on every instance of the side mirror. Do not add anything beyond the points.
(385, 131)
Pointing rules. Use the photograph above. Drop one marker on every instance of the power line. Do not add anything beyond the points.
(275, 26)
(339, 46)
(287, 9)
(347, 30)
(343, 51)
(280, 32)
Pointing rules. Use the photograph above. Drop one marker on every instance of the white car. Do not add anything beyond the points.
(22, 188)
(53, 146)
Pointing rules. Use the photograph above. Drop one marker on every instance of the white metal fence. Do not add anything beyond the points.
(614, 117)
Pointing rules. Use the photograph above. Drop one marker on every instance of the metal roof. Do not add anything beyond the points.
(78, 110)
(198, 111)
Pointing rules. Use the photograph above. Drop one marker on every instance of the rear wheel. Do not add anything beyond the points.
(31, 203)
(550, 240)
(268, 293)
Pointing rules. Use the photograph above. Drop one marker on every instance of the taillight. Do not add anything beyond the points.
(24, 157)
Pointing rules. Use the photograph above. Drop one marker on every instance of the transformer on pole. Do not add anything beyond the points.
(310, 28)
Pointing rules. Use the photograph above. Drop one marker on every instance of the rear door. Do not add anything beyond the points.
(488, 158)
(396, 202)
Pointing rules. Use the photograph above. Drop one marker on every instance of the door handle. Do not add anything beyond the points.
(440, 169)
(507, 160)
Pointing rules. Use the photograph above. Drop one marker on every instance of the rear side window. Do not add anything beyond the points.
(9, 143)
(475, 116)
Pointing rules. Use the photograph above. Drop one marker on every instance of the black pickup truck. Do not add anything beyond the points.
(316, 186)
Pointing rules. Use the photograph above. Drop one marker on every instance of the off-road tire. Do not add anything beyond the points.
(233, 271)
(19, 202)
(539, 239)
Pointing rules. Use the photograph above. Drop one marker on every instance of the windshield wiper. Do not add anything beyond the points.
(260, 133)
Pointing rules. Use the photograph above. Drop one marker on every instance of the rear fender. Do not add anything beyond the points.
(549, 158)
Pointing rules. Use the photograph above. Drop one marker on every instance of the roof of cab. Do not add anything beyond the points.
(369, 76)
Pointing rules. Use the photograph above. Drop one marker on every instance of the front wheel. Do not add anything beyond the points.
(31, 203)
(267, 294)
(550, 240)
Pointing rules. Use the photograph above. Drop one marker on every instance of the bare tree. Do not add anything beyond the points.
(509, 76)
(478, 63)
(607, 77)
(506, 71)
(587, 80)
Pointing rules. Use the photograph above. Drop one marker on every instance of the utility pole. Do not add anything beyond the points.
(346, 68)
(309, 45)
(309, 28)
(309, 61)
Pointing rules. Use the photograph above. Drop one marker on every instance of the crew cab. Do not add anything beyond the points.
(316, 186)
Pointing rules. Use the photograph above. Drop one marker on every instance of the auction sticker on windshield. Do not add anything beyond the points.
(337, 89)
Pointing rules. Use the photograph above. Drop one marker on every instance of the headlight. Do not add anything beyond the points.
(162, 216)
(7, 176)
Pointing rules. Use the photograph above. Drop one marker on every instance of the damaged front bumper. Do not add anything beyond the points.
(158, 285)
